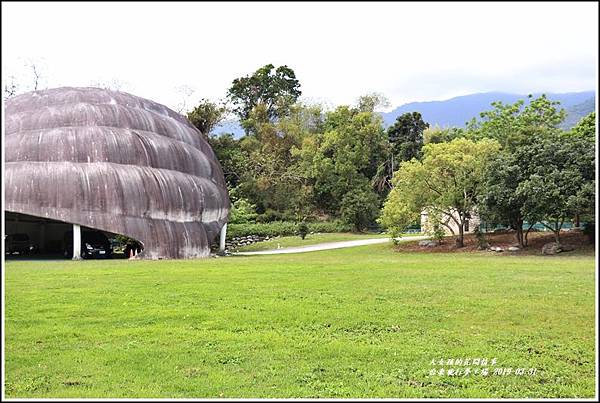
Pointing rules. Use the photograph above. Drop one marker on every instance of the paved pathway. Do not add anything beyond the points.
(330, 245)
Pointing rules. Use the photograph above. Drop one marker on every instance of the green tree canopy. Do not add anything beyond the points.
(232, 157)
(560, 181)
(519, 128)
(586, 127)
(445, 183)
(344, 157)
(207, 115)
(277, 89)
(511, 124)
(272, 178)
(437, 134)
(406, 136)
(360, 207)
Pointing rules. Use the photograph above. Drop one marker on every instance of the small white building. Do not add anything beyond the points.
(449, 225)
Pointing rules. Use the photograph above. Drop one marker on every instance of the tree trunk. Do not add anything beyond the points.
(527, 233)
(460, 241)
(559, 225)
(577, 220)
(519, 234)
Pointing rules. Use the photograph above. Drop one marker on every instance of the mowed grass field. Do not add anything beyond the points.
(357, 322)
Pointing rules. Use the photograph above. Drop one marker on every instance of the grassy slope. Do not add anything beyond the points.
(311, 239)
(358, 322)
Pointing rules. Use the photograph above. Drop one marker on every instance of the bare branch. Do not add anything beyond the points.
(10, 89)
(36, 76)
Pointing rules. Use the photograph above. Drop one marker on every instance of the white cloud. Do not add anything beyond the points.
(408, 51)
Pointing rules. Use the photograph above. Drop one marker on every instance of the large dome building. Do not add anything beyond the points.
(112, 162)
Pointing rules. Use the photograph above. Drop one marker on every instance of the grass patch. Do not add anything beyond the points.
(311, 239)
(358, 322)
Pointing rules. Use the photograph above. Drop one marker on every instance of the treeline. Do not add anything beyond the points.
(514, 166)
(303, 162)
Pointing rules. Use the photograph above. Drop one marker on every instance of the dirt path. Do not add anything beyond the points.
(329, 245)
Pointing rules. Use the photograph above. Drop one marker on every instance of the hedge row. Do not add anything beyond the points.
(284, 228)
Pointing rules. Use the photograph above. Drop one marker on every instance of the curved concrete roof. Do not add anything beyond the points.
(115, 162)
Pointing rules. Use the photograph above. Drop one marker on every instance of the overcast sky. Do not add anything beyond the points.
(407, 51)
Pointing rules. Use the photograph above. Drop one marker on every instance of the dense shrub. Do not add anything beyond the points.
(271, 215)
(360, 207)
(329, 226)
(303, 229)
(284, 228)
(242, 212)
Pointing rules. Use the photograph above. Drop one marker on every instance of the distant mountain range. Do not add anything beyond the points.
(576, 112)
(455, 112)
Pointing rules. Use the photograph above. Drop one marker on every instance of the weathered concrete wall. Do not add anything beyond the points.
(115, 162)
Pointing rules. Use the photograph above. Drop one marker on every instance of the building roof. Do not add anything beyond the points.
(116, 162)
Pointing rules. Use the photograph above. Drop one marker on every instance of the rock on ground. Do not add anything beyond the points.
(429, 243)
(553, 248)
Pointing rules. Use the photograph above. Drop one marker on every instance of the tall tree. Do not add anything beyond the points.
(371, 102)
(406, 136)
(275, 88)
(519, 128)
(500, 202)
(586, 130)
(207, 115)
(272, 178)
(446, 182)
(560, 182)
(344, 157)
(232, 157)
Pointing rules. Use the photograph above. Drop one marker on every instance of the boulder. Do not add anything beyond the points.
(429, 243)
(496, 249)
(552, 248)
(514, 249)
(566, 247)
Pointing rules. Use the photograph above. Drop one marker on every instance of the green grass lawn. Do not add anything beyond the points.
(311, 239)
(357, 322)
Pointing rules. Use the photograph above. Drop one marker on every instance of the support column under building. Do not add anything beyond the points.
(222, 239)
(76, 242)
